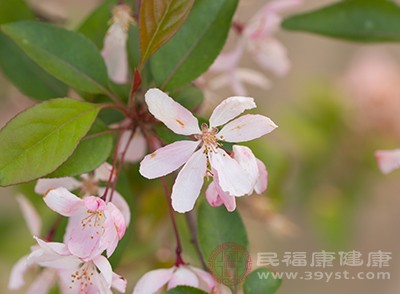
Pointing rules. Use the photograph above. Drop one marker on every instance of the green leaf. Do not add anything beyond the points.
(188, 96)
(89, 154)
(261, 280)
(194, 48)
(218, 227)
(14, 10)
(355, 20)
(26, 75)
(67, 55)
(41, 138)
(133, 46)
(97, 23)
(158, 22)
(185, 290)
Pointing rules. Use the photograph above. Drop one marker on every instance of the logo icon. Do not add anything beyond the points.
(230, 263)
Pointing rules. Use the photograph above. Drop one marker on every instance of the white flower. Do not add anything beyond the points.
(195, 155)
(388, 160)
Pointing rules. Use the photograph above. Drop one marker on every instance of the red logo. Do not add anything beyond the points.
(230, 263)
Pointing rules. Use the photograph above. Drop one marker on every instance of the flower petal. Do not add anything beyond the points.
(167, 159)
(262, 180)
(16, 280)
(102, 173)
(62, 201)
(31, 216)
(229, 109)
(205, 276)
(246, 128)
(183, 276)
(115, 54)
(104, 266)
(388, 160)
(212, 195)
(121, 204)
(227, 61)
(44, 185)
(188, 183)
(43, 282)
(153, 281)
(137, 148)
(118, 283)
(171, 113)
(246, 159)
(117, 218)
(231, 177)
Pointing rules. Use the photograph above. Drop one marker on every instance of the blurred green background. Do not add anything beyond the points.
(325, 190)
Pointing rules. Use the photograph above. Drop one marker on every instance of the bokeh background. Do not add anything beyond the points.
(339, 103)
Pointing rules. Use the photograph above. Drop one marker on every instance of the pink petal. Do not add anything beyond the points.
(153, 281)
(212, 195)
(171, 113)
(118, 283)
(31, 216)
(115, 54)
(253, 77)
(238, 88)
(229, 109)
(137, 148)
(183, 277)
(102, 173)
(206, 277)
(246, 128)
(229, 60)
(117, 217)
(188, 183)
(43, 282)
(121, 204)
(231, 177)
(167, 159)
(104, 266)
(226, 199)
(62, 201)
(271, 55)
(262, 180)
(248, 162)
(388, 160)
(18, 271)
(279, 6)
(44, 185)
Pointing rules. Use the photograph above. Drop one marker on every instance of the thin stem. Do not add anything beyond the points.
(120, 108)
(193, 237)
(179, 261)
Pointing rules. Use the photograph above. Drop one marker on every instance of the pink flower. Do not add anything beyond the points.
(114, 50)
(184, 275)
(257, 37)
(388, 160)
(195, 155)
(76, 275)
(253, 167)
(44, 280)
(94, 225)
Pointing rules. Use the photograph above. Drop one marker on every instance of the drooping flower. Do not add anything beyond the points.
(45, 279)
(258, 38)
(252, 166)
(93, 226)
(206, 149)
(183, 275)
(76, 275)
(115, 44)
(388, 160)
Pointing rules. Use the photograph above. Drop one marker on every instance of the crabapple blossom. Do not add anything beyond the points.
(253, 167)
(183, 275)
(45, 279)
(257, 37)
(76, 275)
(94, 225)
(195, 155)
(388, 160)
(114, 51)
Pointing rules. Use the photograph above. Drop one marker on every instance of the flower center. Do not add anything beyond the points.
(209, 138)
(94, 221)
(84, 277)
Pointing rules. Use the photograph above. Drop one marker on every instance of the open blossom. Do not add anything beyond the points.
(388, 160)
(206, 149)
(183, 275)
(114, 51)
(76, 275)
(257, 37)
(253, 167)
(45, 279)
(94, 225)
